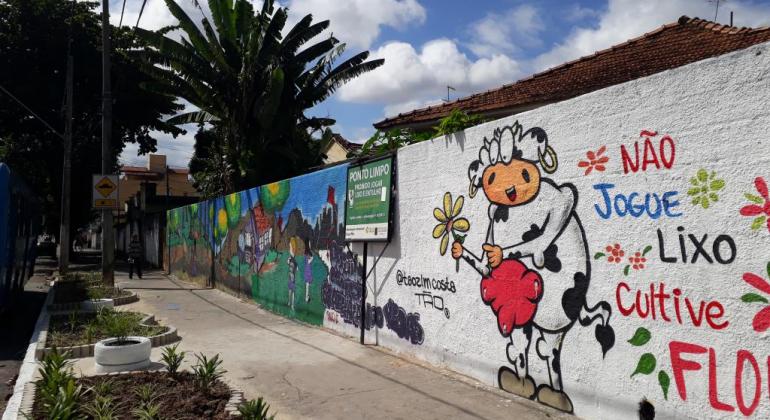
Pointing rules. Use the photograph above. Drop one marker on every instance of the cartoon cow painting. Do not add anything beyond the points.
(534, 263)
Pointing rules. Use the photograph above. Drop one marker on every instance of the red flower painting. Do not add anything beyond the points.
(761, 320)
(513, 291)
(760, 210)
(594, 161)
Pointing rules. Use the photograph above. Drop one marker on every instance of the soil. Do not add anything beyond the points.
(178, 397)
(63, 333)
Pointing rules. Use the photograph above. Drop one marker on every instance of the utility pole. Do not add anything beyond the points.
(108, 235)
(66, 188)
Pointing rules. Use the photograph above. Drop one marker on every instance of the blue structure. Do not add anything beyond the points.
(19, 225)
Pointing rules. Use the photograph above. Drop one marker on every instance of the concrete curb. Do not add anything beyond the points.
(87, 350)
(29, 365)
(76, 306)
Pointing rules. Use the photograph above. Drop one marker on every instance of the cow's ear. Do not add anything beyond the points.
(475, 172)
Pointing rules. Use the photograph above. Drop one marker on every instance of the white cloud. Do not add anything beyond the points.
(626, 19)
(507, 32)
(415, 77)
(358, 22)
(577, 13)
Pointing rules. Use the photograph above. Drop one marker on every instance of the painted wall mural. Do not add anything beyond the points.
(280, 244)
(607, 256)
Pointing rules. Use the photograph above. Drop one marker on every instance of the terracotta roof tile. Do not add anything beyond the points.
(670, 46)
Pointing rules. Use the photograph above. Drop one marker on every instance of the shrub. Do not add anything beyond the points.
(115, 324)
(173, 359)
(255, 410)
(207, 371)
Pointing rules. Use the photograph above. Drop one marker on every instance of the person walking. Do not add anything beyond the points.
(135, 253)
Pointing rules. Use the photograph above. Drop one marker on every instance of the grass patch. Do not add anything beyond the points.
(79, 328)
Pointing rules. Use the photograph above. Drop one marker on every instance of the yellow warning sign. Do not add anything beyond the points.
(105, 187)
(105, 203)
(105, 192)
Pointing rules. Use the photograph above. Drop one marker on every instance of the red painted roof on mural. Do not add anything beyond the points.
(670, 46)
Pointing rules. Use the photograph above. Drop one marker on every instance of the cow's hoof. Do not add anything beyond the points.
(553, 398)
(510, 382)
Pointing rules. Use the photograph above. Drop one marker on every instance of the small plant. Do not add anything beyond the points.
(66, 405)
(55, 373)
(207, 371)
(255, 410)
(101, 408)
(89, 332)
(146, 394)
(457, 120)
(72, 321)
(115, 324)
(173, 359)
(147, 412)
(103, 388)
(96, 293)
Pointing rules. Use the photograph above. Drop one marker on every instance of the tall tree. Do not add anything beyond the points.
(253, 85)
(33, 57)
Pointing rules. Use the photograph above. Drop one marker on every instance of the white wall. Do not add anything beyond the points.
(717, 114)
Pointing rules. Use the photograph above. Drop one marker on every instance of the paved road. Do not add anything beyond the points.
(307, 372)
(16, 326)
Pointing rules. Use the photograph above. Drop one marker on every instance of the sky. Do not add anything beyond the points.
(431, 44)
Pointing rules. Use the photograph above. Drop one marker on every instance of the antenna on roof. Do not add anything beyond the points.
(448, 88)
(716, 12)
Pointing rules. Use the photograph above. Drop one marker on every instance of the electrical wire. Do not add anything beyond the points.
(39, 118)
(140, 14)
(122, 10)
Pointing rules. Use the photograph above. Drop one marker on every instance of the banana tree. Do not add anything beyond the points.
(252, 84)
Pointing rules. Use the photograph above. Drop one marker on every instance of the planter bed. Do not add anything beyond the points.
(69, 294)
(176, 396)
(71, 339)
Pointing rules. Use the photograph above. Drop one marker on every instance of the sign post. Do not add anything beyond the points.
(368, 210)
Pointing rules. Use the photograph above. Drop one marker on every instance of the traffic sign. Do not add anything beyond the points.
(105, 191)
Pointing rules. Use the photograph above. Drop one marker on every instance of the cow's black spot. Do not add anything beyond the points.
(471, 262)
(528, 331)
(501, 214)
(474, 166)
(605, 335)
(521, 360)
(574, 298)
(552, 261)
(555, 363)
(533, 233)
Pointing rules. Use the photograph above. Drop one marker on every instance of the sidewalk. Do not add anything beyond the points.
(307, 372)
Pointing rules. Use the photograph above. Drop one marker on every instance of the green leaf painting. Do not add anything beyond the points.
(753, 297)
(705, 188)
(646, 364)
(641, 337)
(664, 380)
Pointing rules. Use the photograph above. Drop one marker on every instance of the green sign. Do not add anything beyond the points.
(367, 209)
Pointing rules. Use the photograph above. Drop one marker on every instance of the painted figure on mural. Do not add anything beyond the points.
(308, 273)
(536, 296)
(292, 263)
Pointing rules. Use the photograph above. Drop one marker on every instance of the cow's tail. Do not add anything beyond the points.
(602, 311)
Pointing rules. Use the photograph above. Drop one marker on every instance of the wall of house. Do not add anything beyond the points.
(630, 263)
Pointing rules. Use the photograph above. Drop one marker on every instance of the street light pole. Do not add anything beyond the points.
(66, 189)
(108, 235)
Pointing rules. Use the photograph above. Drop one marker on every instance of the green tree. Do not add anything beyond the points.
(253, 85)
(33, 57)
